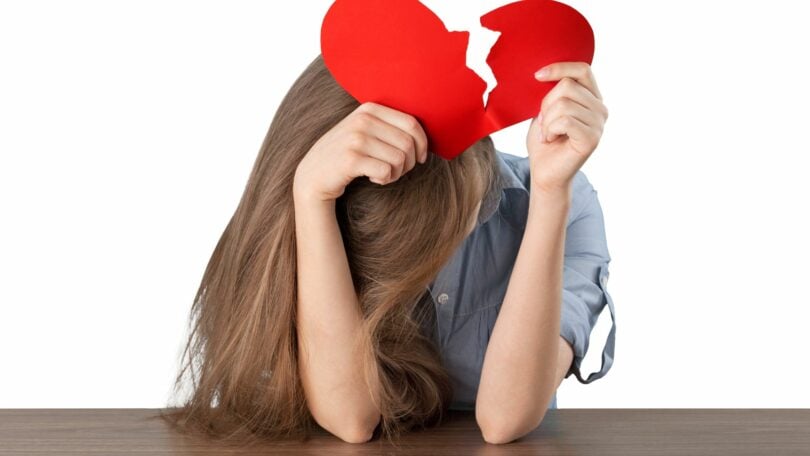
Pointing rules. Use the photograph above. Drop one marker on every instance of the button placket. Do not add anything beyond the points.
(446, 286)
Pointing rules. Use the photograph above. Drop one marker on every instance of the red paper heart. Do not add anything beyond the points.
(398, 53)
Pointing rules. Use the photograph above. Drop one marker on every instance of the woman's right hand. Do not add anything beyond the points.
(373, 140)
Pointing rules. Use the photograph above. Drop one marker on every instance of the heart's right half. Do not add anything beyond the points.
(398, 53)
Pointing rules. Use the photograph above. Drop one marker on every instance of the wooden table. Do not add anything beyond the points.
(581, 432)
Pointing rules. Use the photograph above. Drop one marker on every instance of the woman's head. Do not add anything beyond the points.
(241, 351)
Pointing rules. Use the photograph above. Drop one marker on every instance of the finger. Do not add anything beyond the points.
(404, 121)
(370, 145)
(576, 131)
(579, 71)
(570, 88)
(567, 107)
(378, 171)
(374, 126)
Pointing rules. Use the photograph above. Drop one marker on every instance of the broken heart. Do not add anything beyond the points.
(398, 53)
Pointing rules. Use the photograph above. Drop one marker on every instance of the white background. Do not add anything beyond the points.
(128, 129)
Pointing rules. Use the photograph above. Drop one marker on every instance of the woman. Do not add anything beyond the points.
(317, 303)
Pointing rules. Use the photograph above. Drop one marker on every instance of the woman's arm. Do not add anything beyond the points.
(521, 367)
(382, 144)
(521, 364)
(328, 321)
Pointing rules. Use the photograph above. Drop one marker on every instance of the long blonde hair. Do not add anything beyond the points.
(241, 352)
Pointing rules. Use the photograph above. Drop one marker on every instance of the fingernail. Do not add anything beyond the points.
(542, 73)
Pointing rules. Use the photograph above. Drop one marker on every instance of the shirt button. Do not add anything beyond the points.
(443, 298)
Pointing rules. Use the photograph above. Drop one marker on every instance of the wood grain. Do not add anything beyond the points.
(580, 432)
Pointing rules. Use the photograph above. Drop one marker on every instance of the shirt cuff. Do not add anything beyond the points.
(582, 303)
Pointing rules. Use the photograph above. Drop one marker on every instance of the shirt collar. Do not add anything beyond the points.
(509, 167)
(510, 179)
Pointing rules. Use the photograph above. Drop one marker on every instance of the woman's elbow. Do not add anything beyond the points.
(354, 432)
(503, 431)
(359, 435)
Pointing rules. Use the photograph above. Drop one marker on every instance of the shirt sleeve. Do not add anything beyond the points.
(585, 274)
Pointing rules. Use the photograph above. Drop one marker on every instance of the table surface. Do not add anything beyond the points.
(582, 432)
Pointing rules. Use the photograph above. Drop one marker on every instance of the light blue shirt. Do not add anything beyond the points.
(468, 291)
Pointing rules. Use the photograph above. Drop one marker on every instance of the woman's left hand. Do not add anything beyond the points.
(568, 127)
